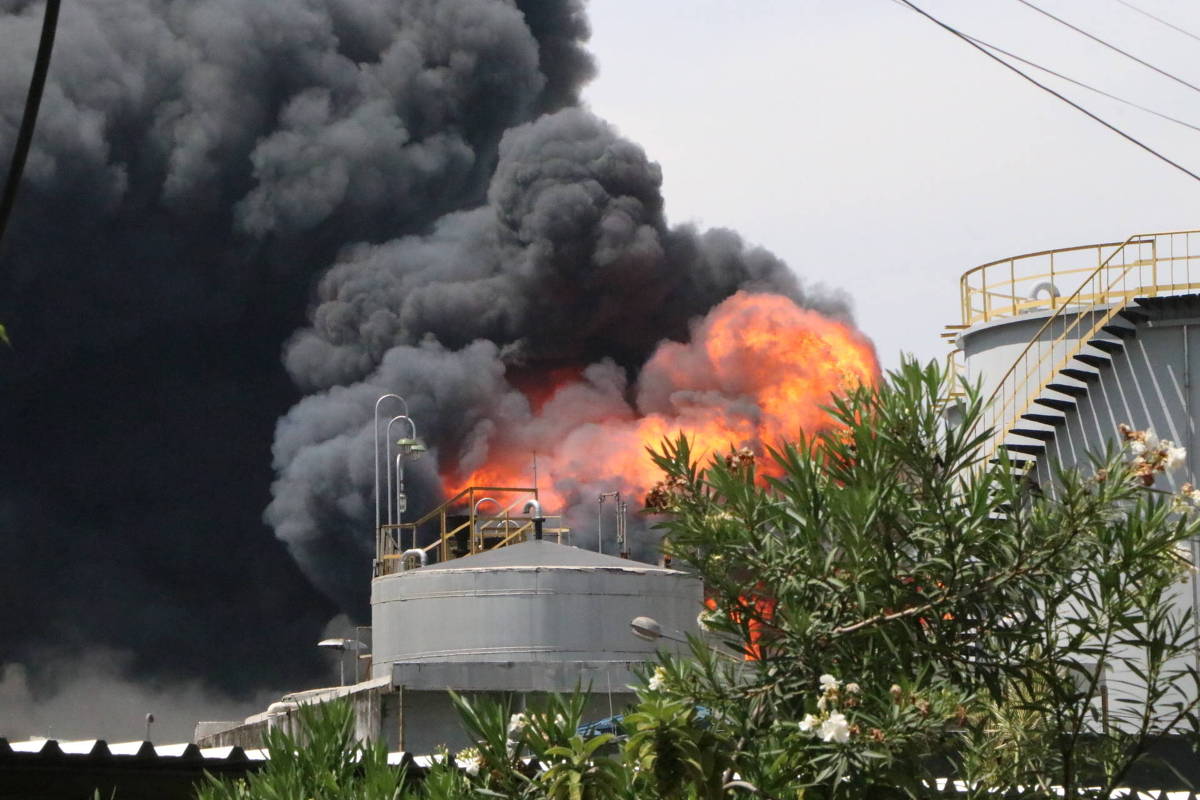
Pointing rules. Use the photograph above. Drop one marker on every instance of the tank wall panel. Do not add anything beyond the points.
(529, 614)
(1151, 384)
(991, 348)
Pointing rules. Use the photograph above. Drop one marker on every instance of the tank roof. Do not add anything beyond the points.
(542, 553)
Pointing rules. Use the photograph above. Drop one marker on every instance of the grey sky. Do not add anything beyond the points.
(875, 152)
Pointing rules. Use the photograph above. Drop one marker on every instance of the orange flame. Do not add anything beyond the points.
(757, 370)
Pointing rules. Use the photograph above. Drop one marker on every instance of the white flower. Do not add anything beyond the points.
(829, 683)
(809, 723)
(1137, 448)
(516, 724)
(835, 729)
(470, 760)
(560, 720)
(658, 680)
(705, 620)
(1151, 441)
(853, 688)
(822, 703)
(1175, 457)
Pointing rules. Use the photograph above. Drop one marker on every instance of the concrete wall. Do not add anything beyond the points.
(433, 721)
(416, 720)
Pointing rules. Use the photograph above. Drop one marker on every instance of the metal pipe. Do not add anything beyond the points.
(538, 520)
(414, 551)
(599, 516)
(475, 516)
(399, 487)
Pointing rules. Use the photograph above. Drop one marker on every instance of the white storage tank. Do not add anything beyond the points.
(534, 603)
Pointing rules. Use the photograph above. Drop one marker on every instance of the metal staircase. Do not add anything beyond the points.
(1080, 335)
(1034, 429)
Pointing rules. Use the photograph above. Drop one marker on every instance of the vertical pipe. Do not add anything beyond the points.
(400, 486)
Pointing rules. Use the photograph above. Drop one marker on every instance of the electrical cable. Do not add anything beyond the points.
(1047, 89)
(1113, 47)
(1083, 85)
(1159, 20)
(33, 101)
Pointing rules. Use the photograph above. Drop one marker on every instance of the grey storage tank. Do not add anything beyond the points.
(514, 622)
(544, 614)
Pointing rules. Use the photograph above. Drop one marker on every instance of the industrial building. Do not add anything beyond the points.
(474, 597)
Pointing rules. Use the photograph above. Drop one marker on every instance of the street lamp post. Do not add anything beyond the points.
(378, 468)
(341, 646)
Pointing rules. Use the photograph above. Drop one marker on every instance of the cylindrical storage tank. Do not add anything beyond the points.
(532, 602)
(990, 349)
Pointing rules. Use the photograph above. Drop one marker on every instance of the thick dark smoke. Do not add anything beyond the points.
(197, 164)
(200, 169)
(569, 263)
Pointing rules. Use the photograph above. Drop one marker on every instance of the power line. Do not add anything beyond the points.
(1083, 85)
(33, 101)
(1159, 20)
(1113, 47)
(1047, 89)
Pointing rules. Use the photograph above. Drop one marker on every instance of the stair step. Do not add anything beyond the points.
(1093, 360)
(1027, 449)
(1107, 345)
(1058, 404)
(1121, 331)
(1041, 434)
(1016, 463)
(1080, 374)
(1045, 419)
(1133, 315)
(1072, 389)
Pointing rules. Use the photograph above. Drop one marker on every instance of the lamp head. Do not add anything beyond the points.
(341, 644)
(411, 446)
(646, 628)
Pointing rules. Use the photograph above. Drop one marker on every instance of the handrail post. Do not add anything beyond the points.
(1053, 285)
(1154, 263)
(1012, 284)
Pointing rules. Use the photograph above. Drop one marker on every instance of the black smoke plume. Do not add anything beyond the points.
(201, 168)
(196, 165)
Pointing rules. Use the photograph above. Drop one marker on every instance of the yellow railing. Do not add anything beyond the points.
(459, 527)
(1144, 265)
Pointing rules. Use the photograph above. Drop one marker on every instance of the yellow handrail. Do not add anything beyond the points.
(1026, 378)
(1058, 313)
(391, 538)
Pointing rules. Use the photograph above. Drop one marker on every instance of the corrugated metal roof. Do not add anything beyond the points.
(541, 554)
(100, 749)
